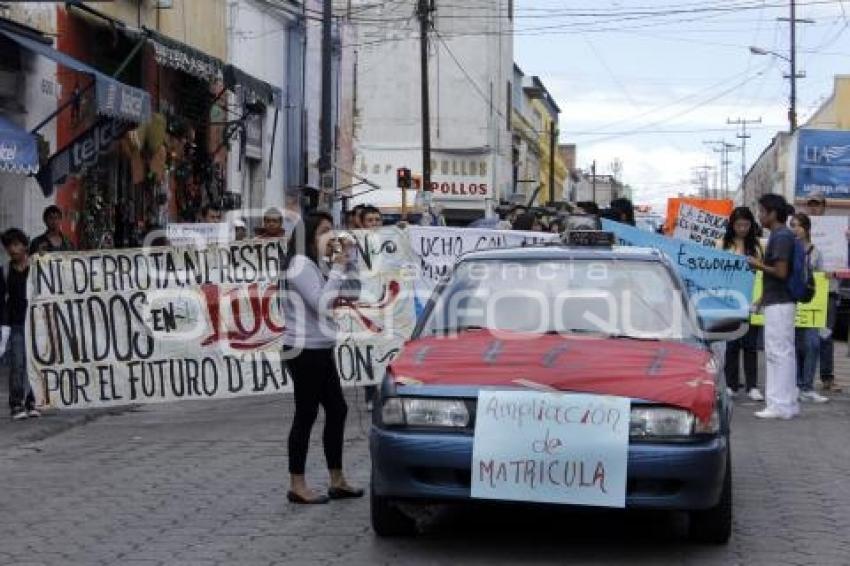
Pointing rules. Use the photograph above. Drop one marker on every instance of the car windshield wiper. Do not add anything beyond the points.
(616, 336)
(458, 329)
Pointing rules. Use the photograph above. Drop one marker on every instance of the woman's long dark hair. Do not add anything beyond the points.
(806, 223)
(752, 246)
(302, 241)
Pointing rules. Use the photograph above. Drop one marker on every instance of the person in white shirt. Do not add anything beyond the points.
(317, 263)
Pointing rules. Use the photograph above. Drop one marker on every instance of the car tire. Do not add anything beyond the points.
(388, 520)
(714, 525)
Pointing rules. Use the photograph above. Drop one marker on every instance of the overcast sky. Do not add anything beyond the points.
(648, 81)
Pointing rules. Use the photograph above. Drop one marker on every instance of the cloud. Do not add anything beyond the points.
(654, 172)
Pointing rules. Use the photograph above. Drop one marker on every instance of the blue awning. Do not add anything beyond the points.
(18, 149)
(114, 98)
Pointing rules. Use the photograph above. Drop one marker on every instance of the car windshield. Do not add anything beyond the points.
(611, 297)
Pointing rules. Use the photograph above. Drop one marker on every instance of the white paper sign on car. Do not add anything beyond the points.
(199, 234)
(829, 235)
(551, 448)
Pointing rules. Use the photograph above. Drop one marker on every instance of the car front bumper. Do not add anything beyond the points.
(435, 467)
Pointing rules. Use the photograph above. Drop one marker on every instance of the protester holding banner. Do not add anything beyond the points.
(53, 240)
(309, 339)
(13, 314)
(807, 339)
(210, 214)
(816, 206)
(779, 311)
(742, 238)
(273, 223)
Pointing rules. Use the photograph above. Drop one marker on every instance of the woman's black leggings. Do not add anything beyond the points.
(316, 383)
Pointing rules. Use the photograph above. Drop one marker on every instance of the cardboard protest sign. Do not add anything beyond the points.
(118, 327)
(809, 315)
(700, 226)
(717, 281)
(378, 316)
(719, 207)
(829, 235)
(551, 448)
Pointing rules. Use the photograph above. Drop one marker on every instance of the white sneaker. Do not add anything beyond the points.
(813, 396)
(731, 393)
(19, 415)
(755, 395)
(771, 414)
(33, 413)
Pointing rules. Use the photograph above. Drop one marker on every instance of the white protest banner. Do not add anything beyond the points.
(700, 226)
(829, 235)
(199, 234)
(439, 247)
(118, 327)
(378, 315)
(551, 448)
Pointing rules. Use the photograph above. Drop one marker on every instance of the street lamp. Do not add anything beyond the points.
(792, 76)
(759, 51)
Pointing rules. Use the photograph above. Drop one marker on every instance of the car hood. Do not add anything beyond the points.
(667, 372)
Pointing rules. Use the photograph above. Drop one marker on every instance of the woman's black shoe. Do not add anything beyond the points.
(345, 493)
(295, 498)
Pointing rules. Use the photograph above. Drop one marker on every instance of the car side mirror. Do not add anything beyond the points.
(723, 329)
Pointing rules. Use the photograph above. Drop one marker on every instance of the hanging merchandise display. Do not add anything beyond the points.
(97, 217)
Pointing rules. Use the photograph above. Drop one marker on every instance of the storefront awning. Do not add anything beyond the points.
(18, 149)
(176, 55)
(263, 91)
(114, 98)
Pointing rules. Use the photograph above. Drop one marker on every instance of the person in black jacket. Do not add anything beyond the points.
(13, 314)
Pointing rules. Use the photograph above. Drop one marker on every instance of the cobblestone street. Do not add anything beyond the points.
(204, 483)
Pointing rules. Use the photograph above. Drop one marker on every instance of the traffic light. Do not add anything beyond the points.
(403, 178)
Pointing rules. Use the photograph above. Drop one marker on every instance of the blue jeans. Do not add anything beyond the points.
(20, 392)
(827, 367)
(808, 352)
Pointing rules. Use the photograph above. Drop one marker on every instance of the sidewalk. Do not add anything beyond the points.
(53, 422)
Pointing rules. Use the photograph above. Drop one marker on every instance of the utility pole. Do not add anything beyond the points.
(424, 10)
(724, 149)
(593, 179)
(552, 144)
(743, 136)
(793, 20)
(326, 120)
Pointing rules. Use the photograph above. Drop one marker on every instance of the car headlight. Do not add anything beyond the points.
(668, 422)
(424, 412)
(660, 422)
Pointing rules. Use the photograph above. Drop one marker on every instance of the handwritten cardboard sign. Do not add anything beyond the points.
(551, 448)
(700, 226)
(719, 282)
(809, 315)
(829, 235)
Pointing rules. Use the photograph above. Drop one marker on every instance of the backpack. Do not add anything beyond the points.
(801, 279)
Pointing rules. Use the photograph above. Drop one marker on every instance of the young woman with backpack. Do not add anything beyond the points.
(742, 238)
(807, 339)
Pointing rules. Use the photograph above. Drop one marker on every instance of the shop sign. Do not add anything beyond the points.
(123, 101)
(453, 177)
(83, 152)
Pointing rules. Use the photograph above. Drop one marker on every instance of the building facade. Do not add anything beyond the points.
(545, 119)
(470, 62)
(776, 168)
(29, 92)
